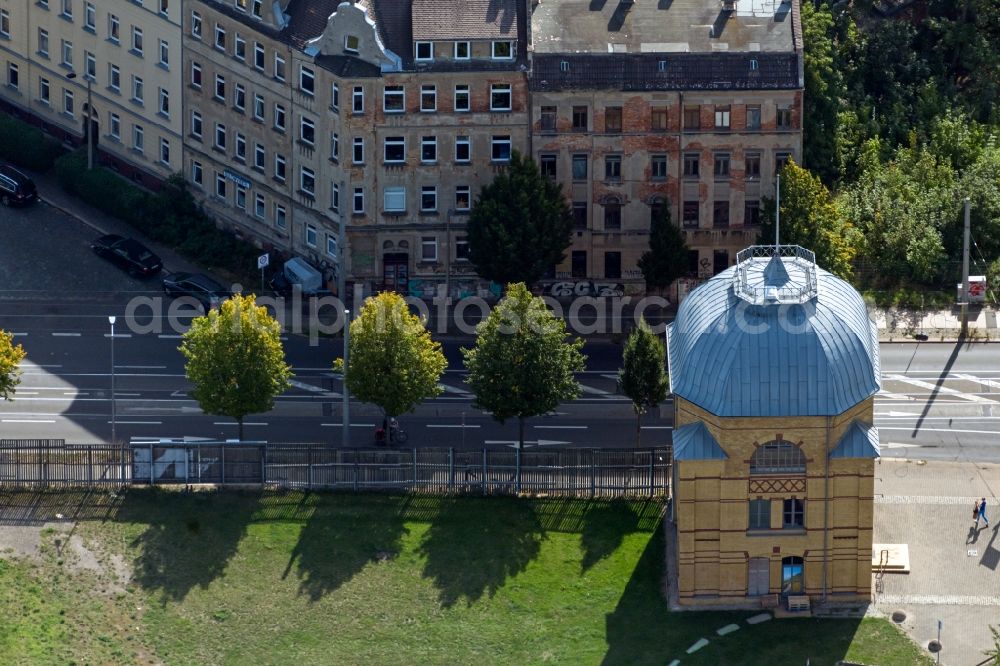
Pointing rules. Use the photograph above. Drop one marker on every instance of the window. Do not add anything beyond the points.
(307, 81)
(657, 209)
(658, 167)
(424, 51)
(334, 146)
(613, 119)
(67, 53)
(751, 212)
(220, 37)
(547, 165)
(394, 99)
(256, 8)
(279, 67)
(114, 29)
(307, 131)
(792, 513)
(258, 56)
(89, 16)
(578, 262)
(783, 118)
(720, 261)
(241, 148)
(137, 40)
(503, 50)
(791, 575)
(500, 97)
(67, 9)
(307, 181)
(358, 201)
(335, 197)
(753, 117)
(579, 119)
(196, 75)
(463, 197)
(196, 25)
(358, 150)
(428, 199)
(462, 248)
(760, 514)
(579, 215)
(89, 66)
(428, 97)
(114, 78)
(720, 166)
(351, 44)
(137, 138)
(331, 245)
(259, 156)
(720, 214)
(778, 457)
(461, 98)
(428, 248)
(220, 186)
(220, 87)
(43, 42)
(12, 75)
(691, 162)
(164, 6)
(690, 213)
(461, 50)
(240, 98)
(463, 149)
(196, 125)
(220, 136)
(612, 265)
(751, 166)
(780, 160)
(579, 167)
(722, 117)
(279, 167)
(394, 149)
(394, 199)
(280, 219)
(613, 214)
(692, 263)
(197, 173)
(613, 167)
(259, 205)
(4, 24)
(279, 117)
(240, 47)
(115, 126)
(164, 102)
(258, 107)
(241, 198)
(692, 118)
(658, 119)
(43, 90)
(138, 92)
(358, 100)
(428, 149)
(335, 97)
(164, 151)
(547, 119)
(164, 54)
(500, 149)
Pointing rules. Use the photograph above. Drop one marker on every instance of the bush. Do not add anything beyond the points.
(26, 145)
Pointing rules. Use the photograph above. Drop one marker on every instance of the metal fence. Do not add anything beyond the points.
(487, 471)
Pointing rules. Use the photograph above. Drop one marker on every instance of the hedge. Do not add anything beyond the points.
(171, 217)
(26, 145)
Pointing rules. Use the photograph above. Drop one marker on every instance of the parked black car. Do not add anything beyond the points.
(202, 288)
(128, 253)
(16, 189)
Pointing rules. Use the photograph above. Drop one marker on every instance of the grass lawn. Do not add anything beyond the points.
(293, 578)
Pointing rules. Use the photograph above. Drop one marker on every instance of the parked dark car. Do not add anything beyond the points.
(128, 253)
(16, 189)
(201, 288)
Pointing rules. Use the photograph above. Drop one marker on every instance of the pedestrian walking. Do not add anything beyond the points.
(982, 513)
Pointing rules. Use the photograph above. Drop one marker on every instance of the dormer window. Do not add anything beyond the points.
(351, 43)
(462, 50)
(503, 50)
(425, 51)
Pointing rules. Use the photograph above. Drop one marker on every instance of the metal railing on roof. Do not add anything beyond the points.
(762, 294)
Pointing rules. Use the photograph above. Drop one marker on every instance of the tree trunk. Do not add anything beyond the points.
(638, 428)
(240, 422)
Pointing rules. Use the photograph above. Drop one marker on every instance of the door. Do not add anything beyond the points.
(791, 576)
(395, 271)
(759, 576)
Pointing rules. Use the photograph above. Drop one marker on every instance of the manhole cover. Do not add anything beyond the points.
(934, 646)
(898, 616)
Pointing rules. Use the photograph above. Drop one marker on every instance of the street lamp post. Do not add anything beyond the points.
(90, 121)
(345, 439)
(111, 320)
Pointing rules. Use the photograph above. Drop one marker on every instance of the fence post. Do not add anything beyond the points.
(483, 475)
(414, 451)
(593, 474)
(222, 455)
(90, 465)
(151, 479)
(451, 469)
(309, 467)
(263, 464)
(355, 470)
(517, 469)
(187, 465)
(651, 456)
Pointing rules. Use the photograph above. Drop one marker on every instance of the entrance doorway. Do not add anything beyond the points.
(759, 577)
(791, 576)
(395, 271)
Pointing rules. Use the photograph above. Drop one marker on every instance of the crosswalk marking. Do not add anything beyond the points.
(940, 389)
(453, 389)
(992, 383)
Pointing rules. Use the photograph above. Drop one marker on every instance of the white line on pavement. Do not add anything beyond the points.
(971, 432)
(302, 386)
(940, 389)
(168, 336)
(657, 427)
(50, 365)
(353, 425)
(130, 395)
(594, 391)
(453, 389)
(20, 335)
(142, 367)
(117, 335)
(138, 422)
(562, 427)
(27, 421)
(66, 335)
(979, 380)
(450, 425)
(247, 423)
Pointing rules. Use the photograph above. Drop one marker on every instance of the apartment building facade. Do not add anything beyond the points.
(129, 52)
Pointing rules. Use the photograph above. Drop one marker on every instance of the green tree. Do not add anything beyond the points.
(993, 282)
(824, 92)
(235, 359)
(643, 377)
(810, 218)
(393, 361)
(994, 652)
(522, 364)
(667, 256)
(11, 356)
(520, 225)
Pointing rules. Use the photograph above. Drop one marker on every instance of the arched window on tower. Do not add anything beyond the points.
(778, 457)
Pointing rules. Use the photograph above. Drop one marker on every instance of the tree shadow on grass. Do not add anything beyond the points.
(473, 546)
(605, 525)
(189, 540)
(343, 535)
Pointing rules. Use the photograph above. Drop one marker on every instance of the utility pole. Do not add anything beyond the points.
(346, 435)
(965, 273)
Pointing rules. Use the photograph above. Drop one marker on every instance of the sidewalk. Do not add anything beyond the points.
(954, 571)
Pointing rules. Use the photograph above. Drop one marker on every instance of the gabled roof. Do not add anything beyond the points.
(307, 19)
(860, 441)
(694, 442)
(464, 19)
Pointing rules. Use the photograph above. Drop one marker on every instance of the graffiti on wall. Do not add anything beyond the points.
(585, 288)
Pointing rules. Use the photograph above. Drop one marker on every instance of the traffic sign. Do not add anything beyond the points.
(262, 261)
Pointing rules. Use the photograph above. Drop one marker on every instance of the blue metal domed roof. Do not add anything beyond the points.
(774, 336)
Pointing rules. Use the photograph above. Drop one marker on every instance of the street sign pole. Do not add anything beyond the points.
(262, 262)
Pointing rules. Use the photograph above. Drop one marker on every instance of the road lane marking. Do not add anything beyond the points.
(117, 335)
(940, 389)
(657, 427)
(246, 423)
(66, 335)
(353, 425)
(138, 422)
(17, 393)
(970, 432)
(594, 391)
(130, 395)
(27, 421)
(20, 335)
(142, 367)
(565, 427)
(980, 380)
(49, 365)
(302, 386)
(453, 389)
(450, 425)
(169, 336)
